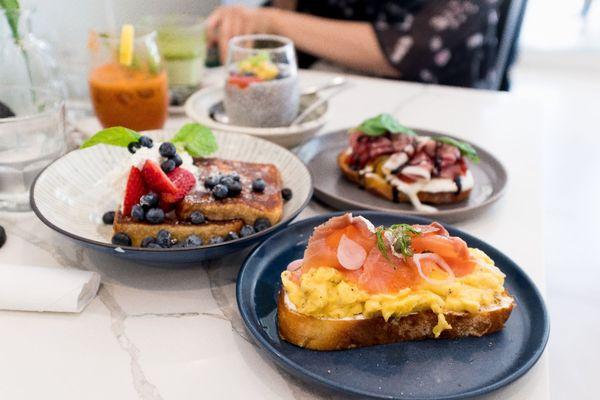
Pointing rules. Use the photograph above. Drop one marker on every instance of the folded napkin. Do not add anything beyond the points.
(28, 288)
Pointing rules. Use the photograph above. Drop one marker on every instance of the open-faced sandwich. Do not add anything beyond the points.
(392, 161)
(172, 194)
(358, 285)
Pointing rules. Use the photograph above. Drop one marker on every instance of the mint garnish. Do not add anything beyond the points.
(382, 124)
(197, 140)
(116, 136)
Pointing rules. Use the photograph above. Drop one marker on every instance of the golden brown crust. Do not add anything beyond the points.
(339, 334)
(377, 185)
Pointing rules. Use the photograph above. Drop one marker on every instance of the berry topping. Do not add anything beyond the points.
(235, 176)
(197, 218)
(137, 212)
(216, 240)
(121, 239)
(184, 180)
(109, 217)
(167, 166)
(258, 185)
(164, 239)
(231, 236)
(167, 149)
(193, 241)
(145, 141)
(212, 181)
(155, 216)
(177, 159)
(154, 246)
(134, 190)
(220, 191)
(156, 179)
(286, 194)
(2, 236)
(261, 224)
(133, 147)
(147, 241)
(234, 187)
(247, 230)
(149, 200)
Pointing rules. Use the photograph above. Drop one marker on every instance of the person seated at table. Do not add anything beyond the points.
(451, 42)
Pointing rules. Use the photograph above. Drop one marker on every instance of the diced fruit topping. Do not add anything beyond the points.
(167, 149)
(137, 212)
(134, 190)
(197, 218)
(212, 181)
(247, 230)
(145, 141)
(149, 200)
(121, 239)
(193, 241)
(156, 179)
(155, 216)
(286, 194)
(184, 180)
(109, 217)
(216, 240)
(168, 165)
(164, 238)
(220, 191)
(147, 241)
(261, 224)
(231, 236)
(133, 147)
(258, 185)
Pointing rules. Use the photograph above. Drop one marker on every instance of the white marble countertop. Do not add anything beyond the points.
(176, 334)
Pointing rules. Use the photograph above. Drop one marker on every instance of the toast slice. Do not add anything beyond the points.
(340, 334)
(248, 206)
(377, 185)
(137, 231)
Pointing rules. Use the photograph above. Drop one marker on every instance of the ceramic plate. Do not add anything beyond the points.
(320, 154)
(198, 107)
(71, 195)
(428, 369)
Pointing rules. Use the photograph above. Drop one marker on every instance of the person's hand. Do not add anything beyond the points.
(229, 21)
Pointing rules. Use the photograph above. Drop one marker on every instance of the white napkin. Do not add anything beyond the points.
(28, 288)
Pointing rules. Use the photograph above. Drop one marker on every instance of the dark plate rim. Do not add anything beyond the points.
(245, 307)
(131, 249)
(333, 199)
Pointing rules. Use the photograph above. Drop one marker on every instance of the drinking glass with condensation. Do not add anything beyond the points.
(32, 134)
(128, 83)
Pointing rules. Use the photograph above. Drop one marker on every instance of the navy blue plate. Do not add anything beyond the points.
(430, 369)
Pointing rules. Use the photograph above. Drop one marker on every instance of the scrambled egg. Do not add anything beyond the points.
(323, 293)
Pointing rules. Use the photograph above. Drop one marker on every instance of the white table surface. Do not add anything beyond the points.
(176, 334)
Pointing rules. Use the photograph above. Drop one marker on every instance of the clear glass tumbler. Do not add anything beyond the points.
(32, 134)
(261, 88)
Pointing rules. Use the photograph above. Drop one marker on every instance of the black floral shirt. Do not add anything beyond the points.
(450, 42)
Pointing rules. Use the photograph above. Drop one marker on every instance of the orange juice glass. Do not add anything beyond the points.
(135, 95)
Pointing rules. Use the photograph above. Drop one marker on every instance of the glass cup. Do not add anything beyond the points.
(32, 134)
(261, 88)
(134, 96)
(182, 44)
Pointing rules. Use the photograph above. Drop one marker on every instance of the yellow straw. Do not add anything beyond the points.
(126, 45)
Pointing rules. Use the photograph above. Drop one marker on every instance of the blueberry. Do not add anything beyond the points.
(231, 236)
(164, 239)
(193, 241)
(235, 176)
(261, 224)
(155, 216)
(247, 230)
(167, 149)
(145, 141)
(133, 147)
(121, 239)
(226, 180)
(212, 181)
(154, 245)
(286, 193)
(258, 185)
(167, 166)
(216, 240)
(147, 241)
(220, 191)
(197, 218)
(137, 212)
(149, 200)
(179, 245)
(2, 236)
(177, 159)
(109, 217)
(234, 188)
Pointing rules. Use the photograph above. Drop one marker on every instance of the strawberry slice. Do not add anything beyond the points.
(156, 179)
(184, 180)
(135, 189)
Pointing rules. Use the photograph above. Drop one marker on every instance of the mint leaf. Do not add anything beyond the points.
(11, 8)
(465, 148)
(116, 136)
(197, 140)
(383, 123)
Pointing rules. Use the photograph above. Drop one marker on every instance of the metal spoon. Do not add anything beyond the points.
(335, 81)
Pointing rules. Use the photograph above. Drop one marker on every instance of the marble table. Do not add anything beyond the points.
(176, 334)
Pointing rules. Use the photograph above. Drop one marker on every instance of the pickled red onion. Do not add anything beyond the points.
(350, 254)
(439, 262)
(294, 265)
